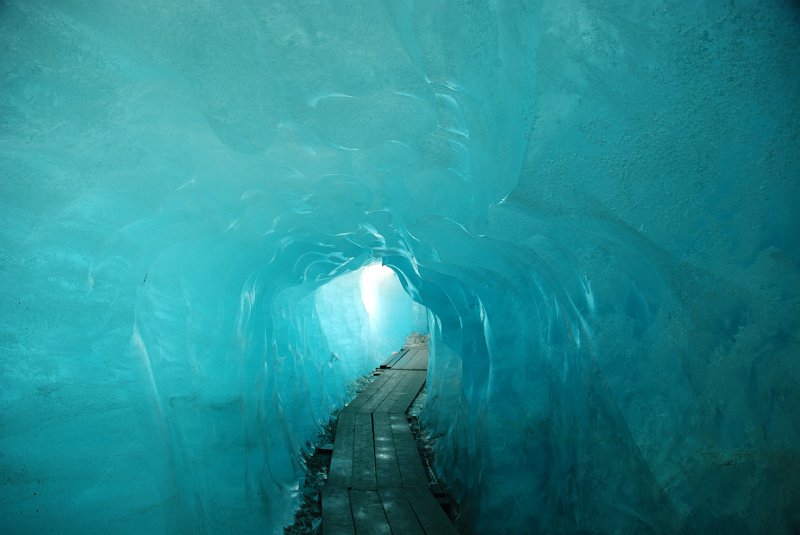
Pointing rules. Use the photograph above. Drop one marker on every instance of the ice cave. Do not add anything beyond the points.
(217, 215)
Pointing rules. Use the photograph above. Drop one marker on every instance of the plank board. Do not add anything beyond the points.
(401, 516)
(412, 473)
(365, 395)
(368, 515)
(407, 356)
(377, 482)
(337, 518)
(363, 453)
(415, 380)
(387, 387)
(411, 363)
(394, 358)
(416, 359)
(341, 471)
(387, 471)
(429, 513)
(404, 394)
(421, 362)
(397, 391)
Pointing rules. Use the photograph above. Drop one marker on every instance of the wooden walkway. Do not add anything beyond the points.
(377, 484)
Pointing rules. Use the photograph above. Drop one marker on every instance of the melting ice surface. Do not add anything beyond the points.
(595, 201)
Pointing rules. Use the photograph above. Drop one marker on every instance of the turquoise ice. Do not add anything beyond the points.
(591, 206)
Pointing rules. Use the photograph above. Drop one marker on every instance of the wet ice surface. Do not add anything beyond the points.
(596, 203)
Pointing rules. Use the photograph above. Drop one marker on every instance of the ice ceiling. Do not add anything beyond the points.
(595, 200)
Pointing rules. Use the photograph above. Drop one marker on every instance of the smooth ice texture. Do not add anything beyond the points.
(595, 200)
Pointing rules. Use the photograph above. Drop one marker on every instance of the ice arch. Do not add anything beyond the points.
(594, 201)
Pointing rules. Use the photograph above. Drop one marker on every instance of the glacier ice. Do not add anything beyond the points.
(592, 206)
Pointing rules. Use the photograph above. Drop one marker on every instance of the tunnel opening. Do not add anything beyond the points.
(367, 311)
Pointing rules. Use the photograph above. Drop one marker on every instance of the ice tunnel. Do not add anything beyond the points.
(216, 215)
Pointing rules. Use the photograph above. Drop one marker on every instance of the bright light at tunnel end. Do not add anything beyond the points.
(372, 277)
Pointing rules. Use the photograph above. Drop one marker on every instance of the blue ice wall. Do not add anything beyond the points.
(595, 200)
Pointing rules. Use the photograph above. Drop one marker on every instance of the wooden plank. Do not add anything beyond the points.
(418, 362)
(416, 380)
(337, 518)
(416, 359)
(412, 473)
(384, 392)
(429, 513)
(365, 395)
(415, 362)
(399, 356)
(422, 359)
(403, 362)
(341, 470)
(405, 393)
(402, 518)
(368, 515)
(363, 453)
(387, 471)
(398, 365)
(401, 393)
(394, 358)
(411, 363)
(377, 482)
(391, 399)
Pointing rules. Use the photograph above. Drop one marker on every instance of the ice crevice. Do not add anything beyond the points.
(216, 216)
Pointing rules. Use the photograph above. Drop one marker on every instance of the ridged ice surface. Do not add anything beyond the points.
(596, 200)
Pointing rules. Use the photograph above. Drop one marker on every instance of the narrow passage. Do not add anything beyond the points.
(377, 483)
